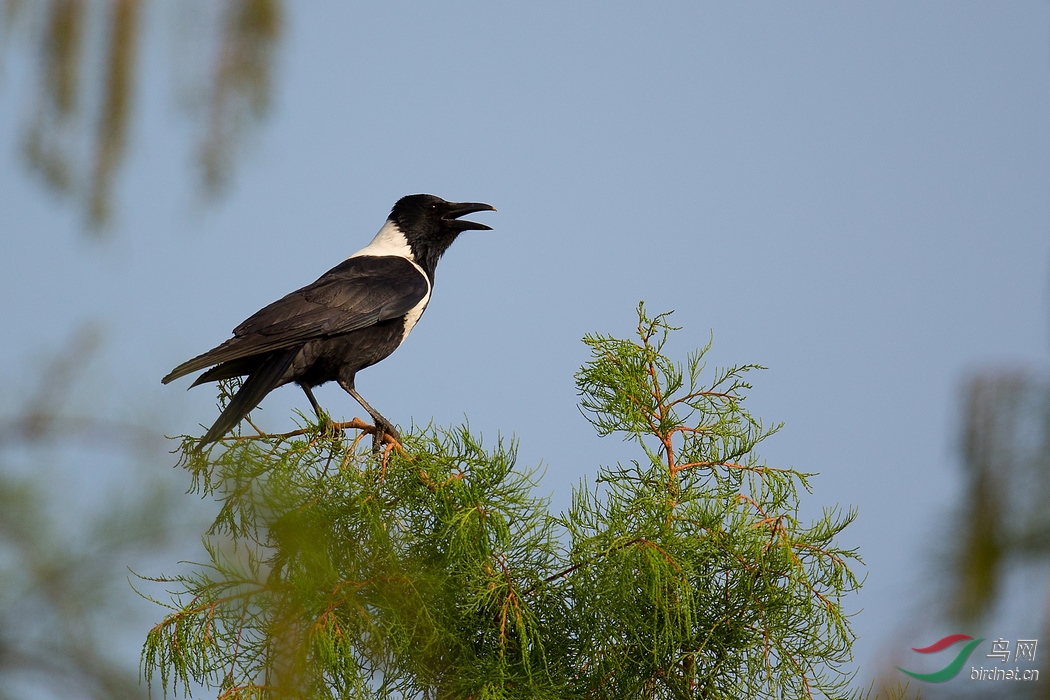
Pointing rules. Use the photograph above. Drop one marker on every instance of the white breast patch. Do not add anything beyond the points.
(390, 241)
(415, 312)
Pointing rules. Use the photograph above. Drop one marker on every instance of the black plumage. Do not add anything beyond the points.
(353, 316)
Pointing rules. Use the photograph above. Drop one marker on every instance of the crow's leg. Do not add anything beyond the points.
(322, 417)
(313, 402)
(382, 424)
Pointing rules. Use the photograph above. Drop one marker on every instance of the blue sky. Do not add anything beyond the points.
(855, 195)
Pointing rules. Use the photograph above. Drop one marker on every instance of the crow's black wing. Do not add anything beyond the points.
(357, 293)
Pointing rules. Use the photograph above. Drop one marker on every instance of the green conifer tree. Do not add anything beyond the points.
(437, 572)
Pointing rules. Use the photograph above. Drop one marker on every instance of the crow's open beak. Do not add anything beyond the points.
(458, 209)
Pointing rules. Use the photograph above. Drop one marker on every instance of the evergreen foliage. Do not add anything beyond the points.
(437, 572)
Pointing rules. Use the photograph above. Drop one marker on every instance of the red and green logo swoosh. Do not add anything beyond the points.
(952, 669)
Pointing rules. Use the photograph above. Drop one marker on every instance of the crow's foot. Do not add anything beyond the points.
(385, 433)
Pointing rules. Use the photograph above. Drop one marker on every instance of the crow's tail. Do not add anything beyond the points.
(266, 377)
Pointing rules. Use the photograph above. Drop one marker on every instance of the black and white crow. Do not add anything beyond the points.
(352, 317)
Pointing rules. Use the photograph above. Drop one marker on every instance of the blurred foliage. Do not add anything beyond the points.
(1003, 511)
(63, 597)
(243, 83)
(77, 135)
(435, 572)
(1001, 523)
(1006, 458)
(65, 600)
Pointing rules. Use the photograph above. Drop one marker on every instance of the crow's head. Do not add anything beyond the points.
(430, 224)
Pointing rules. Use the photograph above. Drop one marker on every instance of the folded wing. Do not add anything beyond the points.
(357, 293)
